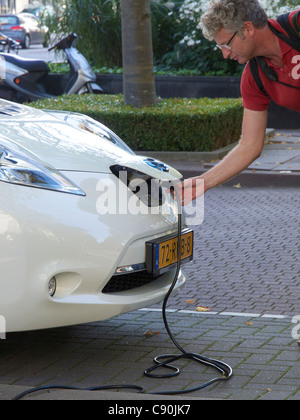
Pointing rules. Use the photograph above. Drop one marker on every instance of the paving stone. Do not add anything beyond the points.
(246, 265)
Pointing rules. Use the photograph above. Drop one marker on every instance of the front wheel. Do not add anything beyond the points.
(98, 92)
(10, 95)
(26, 43)
(94, 88)
(90, 88)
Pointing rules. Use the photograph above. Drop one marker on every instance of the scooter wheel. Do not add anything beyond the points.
(27, 42)
(98, 92)
(8, 94)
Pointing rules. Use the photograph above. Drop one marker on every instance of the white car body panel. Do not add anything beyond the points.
(46, 234)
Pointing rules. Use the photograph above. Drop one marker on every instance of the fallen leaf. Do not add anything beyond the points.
(189, 301)
(151, 333)
(298, 343)
(202, 309)
(237, 186)
(249, 323)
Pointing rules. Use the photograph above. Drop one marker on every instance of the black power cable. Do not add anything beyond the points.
(162, 361)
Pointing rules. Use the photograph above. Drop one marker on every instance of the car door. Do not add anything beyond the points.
(33, 28)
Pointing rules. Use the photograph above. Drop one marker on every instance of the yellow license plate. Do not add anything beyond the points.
(162, 254)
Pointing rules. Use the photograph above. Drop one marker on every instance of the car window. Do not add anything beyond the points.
(9, 20)
(27, 17)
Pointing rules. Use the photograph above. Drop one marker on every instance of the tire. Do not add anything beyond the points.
(26, 43)
(98, 92)
(88, 88)
(8, 94)
(93, 89)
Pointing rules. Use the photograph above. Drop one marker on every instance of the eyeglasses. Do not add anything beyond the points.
(227, 46)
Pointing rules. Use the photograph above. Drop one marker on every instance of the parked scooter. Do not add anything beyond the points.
(25, 80)
(8, 44)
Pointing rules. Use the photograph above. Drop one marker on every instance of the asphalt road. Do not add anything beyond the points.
(40, 53)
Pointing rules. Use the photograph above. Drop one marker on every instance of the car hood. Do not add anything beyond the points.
(52, 138)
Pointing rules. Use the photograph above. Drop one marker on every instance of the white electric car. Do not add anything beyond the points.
(87, 228)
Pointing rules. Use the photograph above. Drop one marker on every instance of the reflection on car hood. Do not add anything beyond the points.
(62, 146)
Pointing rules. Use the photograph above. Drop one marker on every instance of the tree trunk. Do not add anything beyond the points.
(138, 77)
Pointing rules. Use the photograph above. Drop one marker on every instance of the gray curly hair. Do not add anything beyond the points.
(231, 15)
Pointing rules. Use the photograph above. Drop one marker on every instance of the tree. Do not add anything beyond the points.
(138, 76)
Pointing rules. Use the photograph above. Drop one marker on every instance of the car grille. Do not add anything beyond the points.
(129, 281)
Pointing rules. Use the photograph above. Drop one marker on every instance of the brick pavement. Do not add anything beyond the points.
(246, 262)
(247, 255)
(261, 352)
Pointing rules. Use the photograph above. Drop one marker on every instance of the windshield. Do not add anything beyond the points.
(8, 20)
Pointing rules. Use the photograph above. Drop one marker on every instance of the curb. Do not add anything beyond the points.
(196, 156)
(258, 179)
(191, 164)
(189, 156)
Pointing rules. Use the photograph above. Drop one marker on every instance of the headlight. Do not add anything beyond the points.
(16, 168)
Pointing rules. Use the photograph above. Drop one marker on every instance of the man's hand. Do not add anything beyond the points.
(248, 149)
(189, 190)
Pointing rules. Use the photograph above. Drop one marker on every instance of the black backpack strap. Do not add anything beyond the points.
(293, 40)
(254, 71)
(296, 24)
(292, 30)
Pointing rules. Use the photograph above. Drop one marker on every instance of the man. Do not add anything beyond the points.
(241, 30)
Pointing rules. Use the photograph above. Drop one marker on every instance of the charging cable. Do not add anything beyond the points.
(162, 361)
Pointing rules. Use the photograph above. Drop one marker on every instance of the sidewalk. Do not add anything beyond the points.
(279, 163)
(258, 346)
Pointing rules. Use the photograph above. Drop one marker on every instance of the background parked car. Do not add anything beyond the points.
(39, 11)
(24, 28)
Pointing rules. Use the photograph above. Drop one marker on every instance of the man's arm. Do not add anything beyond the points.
(248, 149)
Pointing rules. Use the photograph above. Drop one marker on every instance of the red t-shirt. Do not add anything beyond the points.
(287, 97)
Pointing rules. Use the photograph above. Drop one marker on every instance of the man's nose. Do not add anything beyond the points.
(226, 53)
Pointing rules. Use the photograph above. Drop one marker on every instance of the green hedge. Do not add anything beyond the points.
(172, 125)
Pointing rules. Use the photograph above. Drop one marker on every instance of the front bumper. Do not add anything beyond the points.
(44, 234)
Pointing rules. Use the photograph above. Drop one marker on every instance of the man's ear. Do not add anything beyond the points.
(248, 29)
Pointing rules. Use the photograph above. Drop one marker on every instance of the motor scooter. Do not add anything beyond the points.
(8, 44)
(26, 80)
